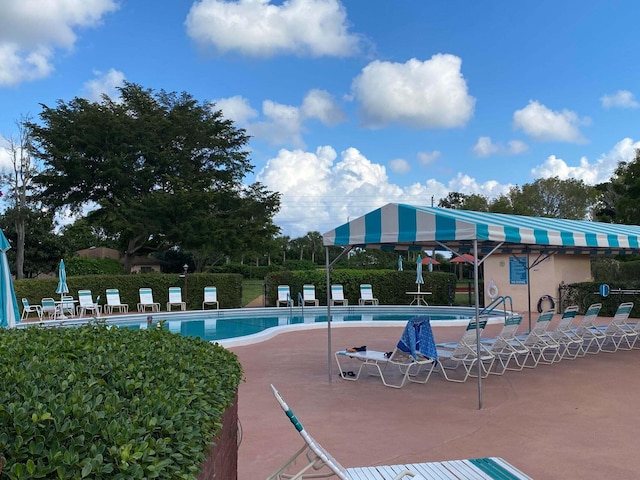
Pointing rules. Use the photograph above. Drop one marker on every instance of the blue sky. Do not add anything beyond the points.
(352, 105)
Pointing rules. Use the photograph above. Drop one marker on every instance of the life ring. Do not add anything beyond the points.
(492, 290)
(544, 298)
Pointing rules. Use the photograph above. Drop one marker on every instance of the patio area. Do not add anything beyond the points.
(571, 420)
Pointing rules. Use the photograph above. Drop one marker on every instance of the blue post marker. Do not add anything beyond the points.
(604, 290)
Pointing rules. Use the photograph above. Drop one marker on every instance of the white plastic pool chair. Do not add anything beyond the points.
(28, 309)
(309, 295)
(146, 300)
(313, 461)
(86, 303)
(337, 295)
(175, 299)
(366, 295)
(210, 297)
(113, 301)
(284, 296)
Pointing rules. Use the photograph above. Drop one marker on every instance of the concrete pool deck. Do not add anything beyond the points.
(572, 420)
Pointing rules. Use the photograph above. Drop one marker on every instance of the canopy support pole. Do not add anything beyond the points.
(477, 295)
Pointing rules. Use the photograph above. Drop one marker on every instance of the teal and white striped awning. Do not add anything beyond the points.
(407, 227)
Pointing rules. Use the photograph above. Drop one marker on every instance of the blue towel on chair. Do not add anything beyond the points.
(418, 337)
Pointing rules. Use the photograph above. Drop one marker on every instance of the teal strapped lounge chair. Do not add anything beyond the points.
(309, 295)
(210, 297)
(313, 461)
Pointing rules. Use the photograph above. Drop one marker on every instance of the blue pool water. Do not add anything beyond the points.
(234, 327)
(224, 325)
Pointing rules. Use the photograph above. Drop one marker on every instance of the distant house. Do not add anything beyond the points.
(139, 264)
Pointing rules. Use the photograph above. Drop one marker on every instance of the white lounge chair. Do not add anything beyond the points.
(175, 299)
(210, 297)
(146, 300)
(451, 356)
(505, 347)
(618, 334)
(284, 296)
(113, 301)
(86, 303)
(587, 331)
(49, 308)
(414, 355)
(337, 295)
(539, 342)
(569, 341)
(313, 461)
(28, 309)
(309, 295)
(366, 295)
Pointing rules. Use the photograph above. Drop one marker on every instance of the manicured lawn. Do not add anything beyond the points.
(251, 289)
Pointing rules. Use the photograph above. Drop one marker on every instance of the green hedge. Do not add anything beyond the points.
(389, 287)
(229, 288)
(99, 403)
(584, 294)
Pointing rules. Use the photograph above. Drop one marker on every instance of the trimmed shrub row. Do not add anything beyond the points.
(229, 288)
(389, 287)
(110, 403)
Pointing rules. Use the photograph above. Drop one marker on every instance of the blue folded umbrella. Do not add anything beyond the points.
(418, 337)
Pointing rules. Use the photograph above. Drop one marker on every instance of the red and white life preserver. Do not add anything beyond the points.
(492, 290)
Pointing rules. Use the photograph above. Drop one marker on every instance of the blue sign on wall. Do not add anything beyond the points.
(518, 270)
(604, 290)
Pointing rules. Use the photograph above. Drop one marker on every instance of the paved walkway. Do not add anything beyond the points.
(572, 420)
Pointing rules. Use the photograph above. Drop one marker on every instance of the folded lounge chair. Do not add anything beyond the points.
(313, 461)
(366, 295)
(210, 297)
(309, 295)
(113, 301)
(337, 295)
(415, 355)
(146, 300)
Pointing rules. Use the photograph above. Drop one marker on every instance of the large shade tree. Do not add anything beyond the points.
(154, 168)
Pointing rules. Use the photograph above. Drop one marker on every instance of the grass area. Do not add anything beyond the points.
(251, 289)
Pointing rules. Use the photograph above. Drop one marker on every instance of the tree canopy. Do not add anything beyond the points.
(154, 169)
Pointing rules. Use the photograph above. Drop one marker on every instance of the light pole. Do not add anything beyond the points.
(185, 268)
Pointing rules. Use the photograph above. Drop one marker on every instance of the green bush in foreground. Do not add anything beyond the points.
(100, 403)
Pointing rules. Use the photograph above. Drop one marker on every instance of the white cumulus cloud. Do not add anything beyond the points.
(399, 165)
(592, 173)
(620, 99)
(418, 94)
(546, 125)
(236, 108)
(104, 84)
(485, 147)
(282, 124)
(427, 158)
(322, 189)
(32, 30)
(261, 28)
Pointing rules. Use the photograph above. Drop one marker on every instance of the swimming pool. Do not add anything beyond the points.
(243, 326)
